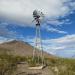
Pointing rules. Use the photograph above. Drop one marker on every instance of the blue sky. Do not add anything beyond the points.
(57, 28)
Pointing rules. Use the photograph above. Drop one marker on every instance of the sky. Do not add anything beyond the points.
(57, 27)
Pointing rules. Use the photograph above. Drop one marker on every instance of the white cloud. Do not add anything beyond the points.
(56, 30)
(55, 22)
(63, 45)
(51, 29)
(3, 39)
(66, 39)
(21, 10)
(5, 32)
(58, 22)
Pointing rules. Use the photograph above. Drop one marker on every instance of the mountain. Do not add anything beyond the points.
(20, 48)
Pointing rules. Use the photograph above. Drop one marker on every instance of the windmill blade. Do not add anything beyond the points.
(33, 20)
(42, 15)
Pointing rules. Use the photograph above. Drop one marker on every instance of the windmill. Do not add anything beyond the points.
(38, 16)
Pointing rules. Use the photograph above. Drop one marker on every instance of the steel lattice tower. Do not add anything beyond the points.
(38, 40)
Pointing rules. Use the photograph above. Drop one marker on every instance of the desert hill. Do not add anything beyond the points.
(20, 48)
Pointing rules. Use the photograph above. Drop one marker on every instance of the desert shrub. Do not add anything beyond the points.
(20, 59)
(66, 66)
(7, 62)
(34, 62)
(7, 65)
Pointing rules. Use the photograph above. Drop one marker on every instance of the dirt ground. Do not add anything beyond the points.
(22, 69)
